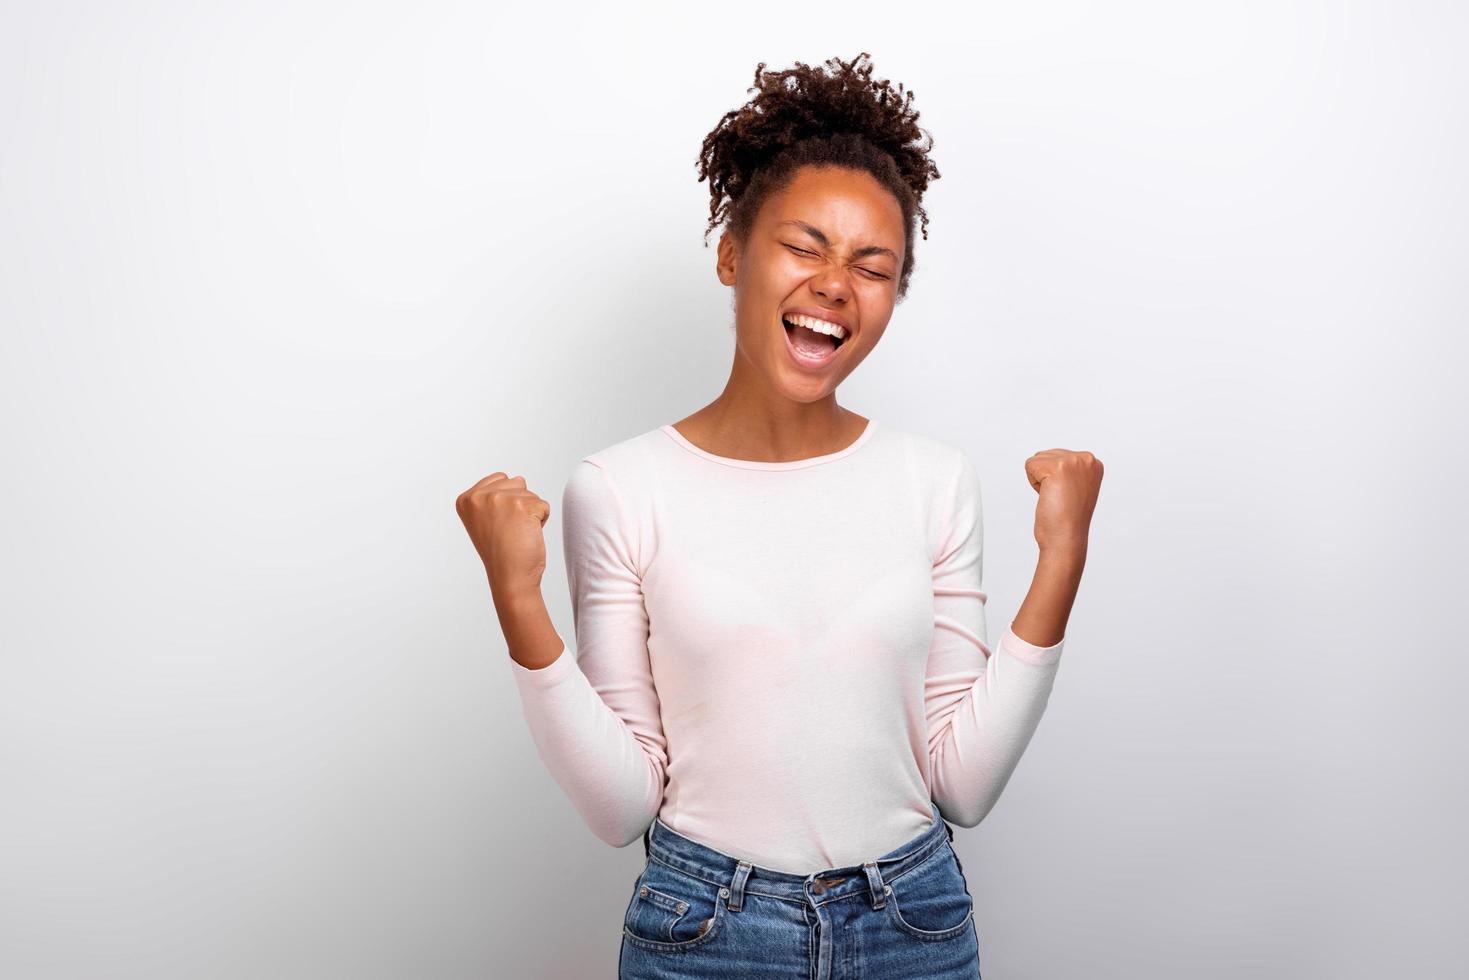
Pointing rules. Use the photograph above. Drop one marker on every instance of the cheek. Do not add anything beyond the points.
(879, 294)
(771, 285)
(875, 305)
(789, 277)
(866, 342)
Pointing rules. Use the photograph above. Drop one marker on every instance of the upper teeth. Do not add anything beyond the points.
(820, 326)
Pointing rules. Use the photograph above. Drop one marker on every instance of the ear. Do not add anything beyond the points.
(728, 258)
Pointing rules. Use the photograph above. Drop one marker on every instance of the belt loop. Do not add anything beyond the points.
(875, 885)
(736, 890)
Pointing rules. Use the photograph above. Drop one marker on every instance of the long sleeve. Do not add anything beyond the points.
(594, 716)
(981, 708)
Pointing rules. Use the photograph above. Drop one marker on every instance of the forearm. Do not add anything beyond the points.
(612, 777)
(978, 745)
(1047, 607)
(529, 632)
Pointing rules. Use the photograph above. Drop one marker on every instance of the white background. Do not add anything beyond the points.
(280, 280)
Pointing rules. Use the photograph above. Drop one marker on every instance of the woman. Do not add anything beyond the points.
(783, 684)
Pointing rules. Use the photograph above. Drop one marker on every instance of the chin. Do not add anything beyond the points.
(803, 388)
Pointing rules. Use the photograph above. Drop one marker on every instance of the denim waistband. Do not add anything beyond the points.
(664, 844)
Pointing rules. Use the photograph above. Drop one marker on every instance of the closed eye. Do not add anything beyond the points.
(871, 273)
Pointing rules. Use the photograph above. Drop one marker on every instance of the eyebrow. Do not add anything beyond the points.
(817, 234)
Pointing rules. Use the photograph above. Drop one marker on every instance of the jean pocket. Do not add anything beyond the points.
(673, 910)
(931, 901)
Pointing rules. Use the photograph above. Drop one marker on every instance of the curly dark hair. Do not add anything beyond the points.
(834, 114)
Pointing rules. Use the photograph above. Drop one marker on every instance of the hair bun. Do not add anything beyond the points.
(836, 113)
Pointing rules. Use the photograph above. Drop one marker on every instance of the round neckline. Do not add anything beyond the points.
(788, 464)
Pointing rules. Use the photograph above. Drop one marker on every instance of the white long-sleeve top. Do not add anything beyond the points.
(784, 661)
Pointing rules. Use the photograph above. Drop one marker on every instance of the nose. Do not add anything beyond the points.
(832, 285)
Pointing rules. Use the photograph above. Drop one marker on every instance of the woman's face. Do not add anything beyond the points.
(830, 246)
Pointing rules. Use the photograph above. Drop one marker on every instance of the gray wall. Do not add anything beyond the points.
(280, 281)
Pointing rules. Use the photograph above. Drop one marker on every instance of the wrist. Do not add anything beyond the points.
(517, 601)
(1064, 553)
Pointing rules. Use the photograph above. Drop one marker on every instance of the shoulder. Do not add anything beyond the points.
(936, 464)
(609, 476)
(626, 454)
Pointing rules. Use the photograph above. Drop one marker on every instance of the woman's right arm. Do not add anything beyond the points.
(594, 718)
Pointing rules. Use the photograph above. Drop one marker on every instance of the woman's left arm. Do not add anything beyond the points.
(981, 707)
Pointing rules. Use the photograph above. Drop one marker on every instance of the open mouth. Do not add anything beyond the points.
(813, 339)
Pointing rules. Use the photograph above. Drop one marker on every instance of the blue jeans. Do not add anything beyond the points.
(699, 913)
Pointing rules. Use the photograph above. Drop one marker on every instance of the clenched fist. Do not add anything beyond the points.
(1068, 483)
(505, 521)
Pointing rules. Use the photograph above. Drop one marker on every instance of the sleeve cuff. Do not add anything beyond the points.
(548, 676)
(1029, 652)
